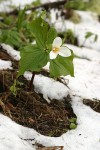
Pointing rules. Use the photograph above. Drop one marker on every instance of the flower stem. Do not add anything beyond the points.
(31, 82)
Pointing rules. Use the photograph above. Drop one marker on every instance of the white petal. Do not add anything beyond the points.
(53, 55)
(57, 42)
(64, 51)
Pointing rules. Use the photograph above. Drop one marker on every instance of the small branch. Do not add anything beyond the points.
(45, 6)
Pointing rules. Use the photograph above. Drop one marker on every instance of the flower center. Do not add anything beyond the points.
(55, 49)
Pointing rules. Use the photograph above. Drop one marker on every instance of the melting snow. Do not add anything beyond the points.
(13, 53)
(85, 84)
(5, 64)
(89, 23)
(50, 88)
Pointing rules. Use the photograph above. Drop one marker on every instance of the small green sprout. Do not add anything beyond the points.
(14, 88)
(88, 35)
(73, 123)
(73, 126)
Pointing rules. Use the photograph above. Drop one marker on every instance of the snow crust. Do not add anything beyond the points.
(86, 136)
(5, 64)
(13, 53)
(87, 73)
(50, 88)
(85, 53)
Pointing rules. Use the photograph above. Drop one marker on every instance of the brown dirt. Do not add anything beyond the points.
(30, 109)
(95, 105)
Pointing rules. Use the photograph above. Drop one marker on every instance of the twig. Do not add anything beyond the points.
(46, 6)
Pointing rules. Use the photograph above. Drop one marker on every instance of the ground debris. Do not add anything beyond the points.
(51, 148)
(94, 104)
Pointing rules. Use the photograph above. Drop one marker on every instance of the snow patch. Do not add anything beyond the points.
(85, 53)
(86, 81)
(89, 23)
(50, 88)
(5, 64)
(13, 53)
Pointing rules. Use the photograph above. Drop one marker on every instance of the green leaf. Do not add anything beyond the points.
(73, 126)
(39, 28)
(95, 38)
(13, 88)
(36, 3)
(52, 33)
(61, 66)
(32, 58)
(20, 20)
(76, 4)
(9, 20)
(10, 37)
(43, 14)
(88, 34)
(73, 120)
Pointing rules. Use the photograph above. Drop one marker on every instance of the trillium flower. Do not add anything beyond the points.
(58, 48)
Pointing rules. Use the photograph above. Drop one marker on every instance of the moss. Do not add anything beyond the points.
(76, 4)
(75, 18)
(94, 5)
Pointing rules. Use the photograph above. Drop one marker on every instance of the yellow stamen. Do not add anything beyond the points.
(55, 49)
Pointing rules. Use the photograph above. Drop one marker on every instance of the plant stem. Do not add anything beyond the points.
(83, 43)
(31, 82)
